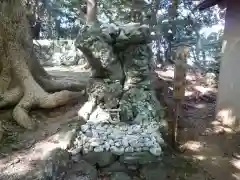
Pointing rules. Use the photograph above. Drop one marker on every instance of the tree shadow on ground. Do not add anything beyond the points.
(203, 137)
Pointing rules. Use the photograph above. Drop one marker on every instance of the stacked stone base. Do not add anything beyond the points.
(119, 138)
(122, 113)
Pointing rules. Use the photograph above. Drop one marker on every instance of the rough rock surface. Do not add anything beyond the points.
(122, 114)
(121, 134)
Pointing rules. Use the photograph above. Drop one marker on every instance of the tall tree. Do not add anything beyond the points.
(24, 83)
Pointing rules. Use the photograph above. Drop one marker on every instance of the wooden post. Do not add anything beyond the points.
(179, 87)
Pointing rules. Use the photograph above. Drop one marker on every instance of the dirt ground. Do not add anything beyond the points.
(210, 148)
(215, 147)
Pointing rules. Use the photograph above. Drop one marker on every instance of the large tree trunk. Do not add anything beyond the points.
(24, 83)
(228, 101)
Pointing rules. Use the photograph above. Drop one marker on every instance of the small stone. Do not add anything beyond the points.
(134, 143)
(159, 138)
(86, 145)
(130, 132)
(116, 150)
(129, 149)
(95, 134)
(95, 143)
(107, 146)
(109, 131)
(156, 151)
(98, 149)
(111, 142)
(125, 142)
(100, 128)
(117, 144)
(151, 129)
(76, 150)
(89, 133)
(123, 128)
(136, 128)
(84, 127)
(149, 143)
(104, 138)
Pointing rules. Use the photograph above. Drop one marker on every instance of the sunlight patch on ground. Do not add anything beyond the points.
(22, 163)
(200, 157)
(78, 68)
(236, 176)
(236, 163)
(18, 169)
(204, 90)
(194, 146)
(200, 106)
(188, 93)
(168, 73)
(217, 126)
(227, 117)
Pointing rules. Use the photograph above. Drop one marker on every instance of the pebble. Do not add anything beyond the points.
(84, 127)
(125, 142)
(89, 133)
(107, 146)
(98, 149)
(120, 138)
(118, 151)
(129, 149)
(156, 151)
(117, 144)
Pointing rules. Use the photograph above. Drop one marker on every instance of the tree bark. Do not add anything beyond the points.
(24, 83)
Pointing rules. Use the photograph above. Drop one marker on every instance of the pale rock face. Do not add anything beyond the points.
(122, 113)
(86, 109)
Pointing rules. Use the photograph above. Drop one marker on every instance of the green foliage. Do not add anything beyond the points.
(184, 27)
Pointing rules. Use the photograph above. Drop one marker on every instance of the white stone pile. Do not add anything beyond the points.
(119, 138)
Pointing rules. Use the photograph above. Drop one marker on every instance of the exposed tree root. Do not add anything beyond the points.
(23, 81)
(10, 97)
(52, 85)
(46, 81)
(34, 94)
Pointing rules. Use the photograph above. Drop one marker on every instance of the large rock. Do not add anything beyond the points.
(138, 158)
(122, 113)
(102, 159)
(81, 171)
(56, 163)
(115, 167)
(92, 38)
